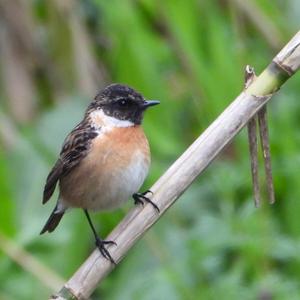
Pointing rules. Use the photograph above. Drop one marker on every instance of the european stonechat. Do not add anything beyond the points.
(104, 160)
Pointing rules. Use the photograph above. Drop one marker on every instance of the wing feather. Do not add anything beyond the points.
(75, 147)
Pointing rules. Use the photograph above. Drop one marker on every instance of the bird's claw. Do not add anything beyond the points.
(140, 198)
(101, 246)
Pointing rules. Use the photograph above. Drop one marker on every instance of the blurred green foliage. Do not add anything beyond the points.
(213, 243)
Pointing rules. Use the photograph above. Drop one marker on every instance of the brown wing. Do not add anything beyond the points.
(74, 149)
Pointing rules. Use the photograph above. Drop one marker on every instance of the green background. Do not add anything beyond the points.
(213, 243)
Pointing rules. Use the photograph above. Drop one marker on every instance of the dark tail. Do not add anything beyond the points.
(53, 221)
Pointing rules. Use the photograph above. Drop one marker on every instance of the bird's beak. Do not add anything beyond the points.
(149, 103)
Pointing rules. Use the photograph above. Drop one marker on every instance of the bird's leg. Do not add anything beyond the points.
(99, 242)
(140, 198)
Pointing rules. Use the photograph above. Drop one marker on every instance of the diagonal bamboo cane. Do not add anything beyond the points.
(185, 169)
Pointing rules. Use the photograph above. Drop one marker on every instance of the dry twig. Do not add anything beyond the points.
(265, 144)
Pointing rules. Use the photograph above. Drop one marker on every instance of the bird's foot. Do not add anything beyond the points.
(140, 198)
(101, 246)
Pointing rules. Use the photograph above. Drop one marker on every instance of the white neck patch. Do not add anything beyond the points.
(101, 120)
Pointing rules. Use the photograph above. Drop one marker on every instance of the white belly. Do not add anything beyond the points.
(119, 186)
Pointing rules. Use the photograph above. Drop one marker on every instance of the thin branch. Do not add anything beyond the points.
(29, 263)
(265, 144)
(250, 76)
(252, 137)
(184, 171)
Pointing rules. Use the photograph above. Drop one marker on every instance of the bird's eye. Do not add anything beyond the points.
(123, 102)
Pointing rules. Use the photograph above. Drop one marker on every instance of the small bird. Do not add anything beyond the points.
(104, 160)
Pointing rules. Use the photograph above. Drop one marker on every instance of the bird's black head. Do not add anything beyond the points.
(122, 102)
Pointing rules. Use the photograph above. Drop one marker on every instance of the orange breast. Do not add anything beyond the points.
(125, 141)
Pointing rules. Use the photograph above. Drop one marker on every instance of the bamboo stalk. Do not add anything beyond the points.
(184, 171)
